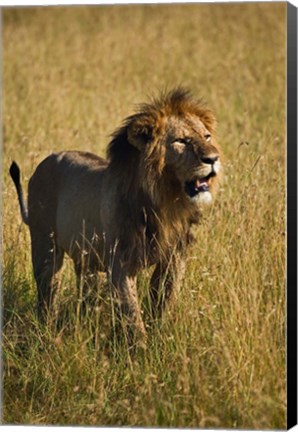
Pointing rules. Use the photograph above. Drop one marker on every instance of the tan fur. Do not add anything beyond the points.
(128, 212)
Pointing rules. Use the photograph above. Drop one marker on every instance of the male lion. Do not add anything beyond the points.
(130, 211)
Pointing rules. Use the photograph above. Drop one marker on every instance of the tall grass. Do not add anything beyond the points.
(217, 358)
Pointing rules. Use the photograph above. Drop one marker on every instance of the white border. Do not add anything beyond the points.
(9, 3)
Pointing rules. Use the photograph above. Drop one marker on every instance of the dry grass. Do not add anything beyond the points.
(218, 358)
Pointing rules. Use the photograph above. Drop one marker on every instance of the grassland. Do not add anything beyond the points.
(217, 359)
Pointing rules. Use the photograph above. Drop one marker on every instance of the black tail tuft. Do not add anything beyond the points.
(14, 172)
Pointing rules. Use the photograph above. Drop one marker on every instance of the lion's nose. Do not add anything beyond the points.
(210, 159)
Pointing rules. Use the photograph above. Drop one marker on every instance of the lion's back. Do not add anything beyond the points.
(80, 160)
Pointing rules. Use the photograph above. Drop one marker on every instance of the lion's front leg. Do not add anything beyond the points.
(165, 282)
(126, 305)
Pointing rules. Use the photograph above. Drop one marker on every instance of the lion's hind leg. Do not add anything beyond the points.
(47, 259)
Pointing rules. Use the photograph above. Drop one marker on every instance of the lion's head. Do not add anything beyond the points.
(171, 142)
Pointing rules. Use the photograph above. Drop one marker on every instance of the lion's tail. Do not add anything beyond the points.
(14, 172)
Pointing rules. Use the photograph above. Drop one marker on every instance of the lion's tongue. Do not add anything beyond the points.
(199, 183)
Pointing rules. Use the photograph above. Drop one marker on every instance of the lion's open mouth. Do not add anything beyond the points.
(198, 185)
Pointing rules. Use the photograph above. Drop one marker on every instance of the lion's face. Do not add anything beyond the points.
(172, 140)
(192, 156)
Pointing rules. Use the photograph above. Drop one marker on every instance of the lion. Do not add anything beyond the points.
(131, 211)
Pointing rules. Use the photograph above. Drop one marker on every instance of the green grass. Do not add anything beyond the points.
(217, 359)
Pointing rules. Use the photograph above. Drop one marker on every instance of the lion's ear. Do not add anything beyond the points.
(139, 132)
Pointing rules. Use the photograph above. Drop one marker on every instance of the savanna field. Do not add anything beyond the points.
(217, 358)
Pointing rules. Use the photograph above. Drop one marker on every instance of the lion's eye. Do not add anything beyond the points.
(185, 140)
(207, 137)
(179, 146)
